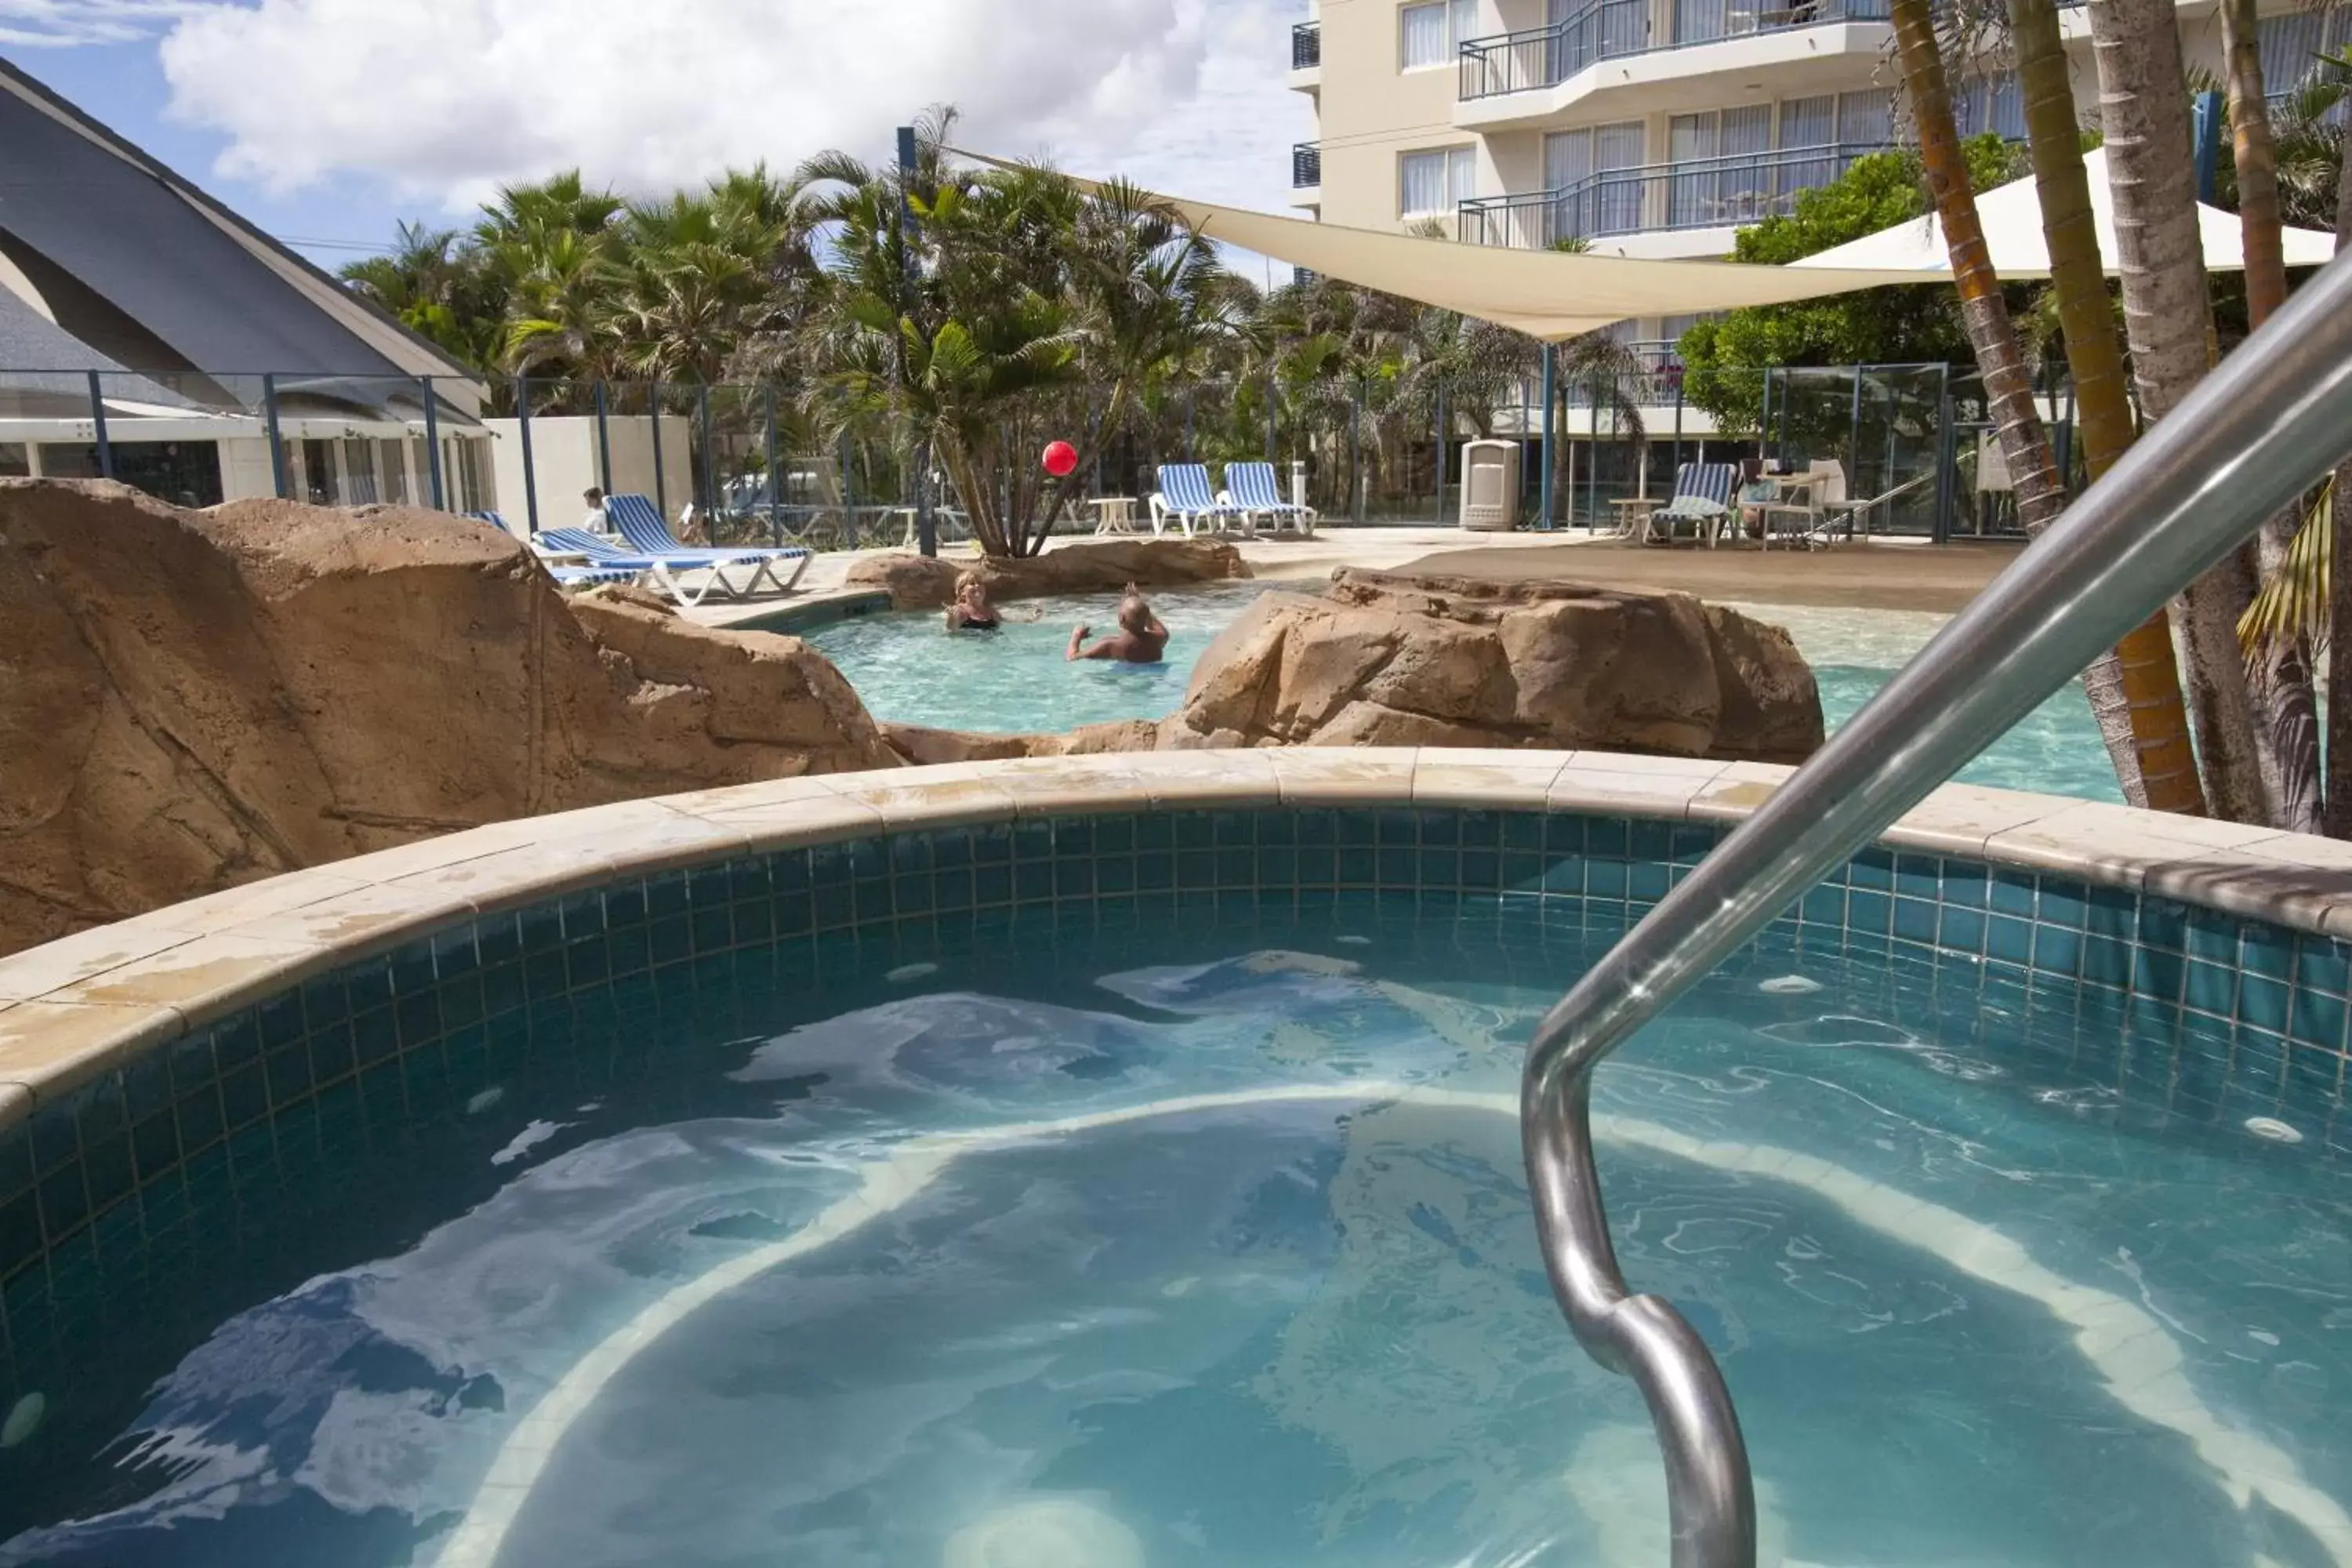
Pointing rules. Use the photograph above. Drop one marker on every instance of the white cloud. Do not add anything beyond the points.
(61, 24)
(447, 99)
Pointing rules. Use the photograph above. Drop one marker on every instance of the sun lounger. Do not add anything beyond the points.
(1702, 498)
(640, 523)
(1252, 488)
(1183, 498)
(605, 554)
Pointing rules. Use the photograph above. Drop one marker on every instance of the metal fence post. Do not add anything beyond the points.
(1441, 456)
(661, 484)
(776, 474)
(276, 445)
(1550, 432)
(97, 428)
(433, 443)
(1192, 450)
(530, 467)
(1273, 403)
(705, 487)
(1356, 499)
(926, 525)
(604, 442)
(1592, 475)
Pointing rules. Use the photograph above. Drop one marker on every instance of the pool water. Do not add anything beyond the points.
(1094, 1247)
(1015, 680)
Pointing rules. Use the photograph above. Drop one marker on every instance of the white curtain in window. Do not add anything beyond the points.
(1424, 183)
(1568, 158)
(1462, 176)
(1618, 146)
(1424, 35)
(390, 456)
(1748, 130)
(1690, 136)
(1807, 121)
(1865, 119)
(1462, 24)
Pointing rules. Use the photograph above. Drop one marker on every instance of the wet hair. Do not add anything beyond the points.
(967, 580)
(1134, 613)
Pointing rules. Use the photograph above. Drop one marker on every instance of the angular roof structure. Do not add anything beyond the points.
(121, 254)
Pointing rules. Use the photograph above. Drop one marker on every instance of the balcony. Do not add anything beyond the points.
(1306, 165)
(1307, 46)
(1609, 30)
(1699, 193)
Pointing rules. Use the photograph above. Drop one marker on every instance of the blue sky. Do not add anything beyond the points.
(329, 120)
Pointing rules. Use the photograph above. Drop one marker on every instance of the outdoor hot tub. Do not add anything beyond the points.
(1115, 1160)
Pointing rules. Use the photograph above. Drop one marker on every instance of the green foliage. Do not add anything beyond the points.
(1725, 360)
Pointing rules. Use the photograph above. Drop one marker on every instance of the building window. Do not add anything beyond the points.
(1432, 32)
(1865, 119)
(1434, 183)
(391, 460)
(15, 461)
(2289, 41)
(358, 474)
(1989, 104)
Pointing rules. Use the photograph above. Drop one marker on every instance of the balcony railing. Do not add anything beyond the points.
(1605, 30)
(1306, 45)
(1306, 165)
(1698, 192)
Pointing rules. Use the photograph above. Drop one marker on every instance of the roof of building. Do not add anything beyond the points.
(213, 289)
(30, 340)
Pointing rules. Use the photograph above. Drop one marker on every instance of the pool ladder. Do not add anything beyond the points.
(2254, 434)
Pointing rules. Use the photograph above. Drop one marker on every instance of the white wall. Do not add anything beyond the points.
(564, 463)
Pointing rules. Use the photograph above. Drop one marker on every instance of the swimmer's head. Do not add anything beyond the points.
(1134, 613)
(970, 585)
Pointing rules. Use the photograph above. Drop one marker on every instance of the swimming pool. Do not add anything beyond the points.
(1015, 680)
(1143, 1187)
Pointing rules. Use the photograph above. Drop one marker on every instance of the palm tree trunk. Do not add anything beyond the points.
(2155, 763)
(2143, 114)
(2124, 695)
(2339, 583)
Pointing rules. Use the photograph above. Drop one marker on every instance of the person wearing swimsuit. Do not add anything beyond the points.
(971, 611)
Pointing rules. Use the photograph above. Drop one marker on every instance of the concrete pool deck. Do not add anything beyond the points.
(1874, 575)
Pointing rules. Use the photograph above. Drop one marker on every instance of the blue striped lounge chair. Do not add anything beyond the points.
(568, 576)
(1252, 488)
(604, 555)
(1702, 499)
(639, 521)
(1183, 498)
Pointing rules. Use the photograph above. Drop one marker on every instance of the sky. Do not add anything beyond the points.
(328, 121)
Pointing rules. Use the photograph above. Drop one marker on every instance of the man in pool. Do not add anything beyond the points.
(1142, 639)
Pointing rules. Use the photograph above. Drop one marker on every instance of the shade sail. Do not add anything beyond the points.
(2011, 216)
(1546, 294)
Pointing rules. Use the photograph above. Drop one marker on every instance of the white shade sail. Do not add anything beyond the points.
(1549, 295)
(2011, 216)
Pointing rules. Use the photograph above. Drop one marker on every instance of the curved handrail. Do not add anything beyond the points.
(2273, 416)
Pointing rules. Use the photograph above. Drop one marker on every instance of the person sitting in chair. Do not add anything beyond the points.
(596, 521)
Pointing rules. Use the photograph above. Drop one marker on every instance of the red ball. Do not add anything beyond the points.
(1061, 459)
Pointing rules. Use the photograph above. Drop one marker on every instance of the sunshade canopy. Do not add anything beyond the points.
(2011, 216)
(1549, 295)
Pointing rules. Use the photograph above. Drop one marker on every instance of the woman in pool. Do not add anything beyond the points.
(1142, 638)
(971, 611)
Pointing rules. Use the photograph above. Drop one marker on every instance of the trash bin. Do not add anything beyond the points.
(1490, 486)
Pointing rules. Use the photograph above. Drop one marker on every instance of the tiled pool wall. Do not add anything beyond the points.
(2200, 1014)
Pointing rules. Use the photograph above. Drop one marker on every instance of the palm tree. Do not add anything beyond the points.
(2144, 117)
(2158, 768)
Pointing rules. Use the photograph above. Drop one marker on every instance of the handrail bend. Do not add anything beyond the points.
(2273, 418)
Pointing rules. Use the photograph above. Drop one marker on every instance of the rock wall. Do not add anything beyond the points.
(1100, 566)
(1388, 659)
(192, 700)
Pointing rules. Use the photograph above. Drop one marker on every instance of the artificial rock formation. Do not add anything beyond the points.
(189, 700)
(1385, 659)
(1100, 566)
(1389, 660)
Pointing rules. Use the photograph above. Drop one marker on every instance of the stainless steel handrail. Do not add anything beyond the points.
(2274, 416)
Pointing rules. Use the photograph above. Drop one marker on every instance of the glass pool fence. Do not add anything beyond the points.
(740, 462)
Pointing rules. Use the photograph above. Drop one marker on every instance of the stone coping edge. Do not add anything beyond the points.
(76, 1009)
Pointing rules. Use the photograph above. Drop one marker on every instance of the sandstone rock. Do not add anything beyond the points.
(1102, 566)
(924, 746)
(1389, 660)
(192, 700)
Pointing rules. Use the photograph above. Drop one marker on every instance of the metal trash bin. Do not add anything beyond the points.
(1490, 486)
